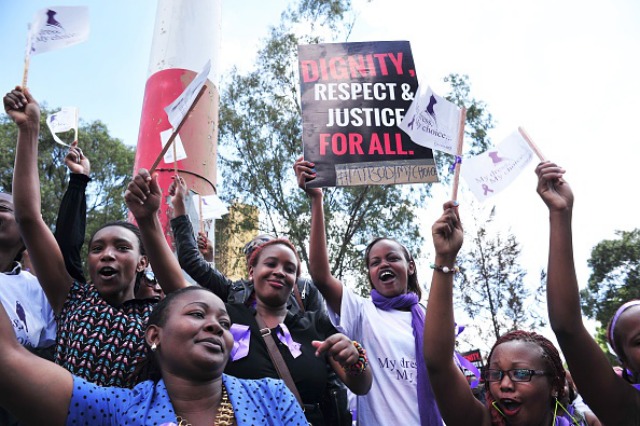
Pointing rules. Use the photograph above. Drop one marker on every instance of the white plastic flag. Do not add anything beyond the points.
(212, 207)
(432, 121)
(62, 121)
(177, 109)
(57, 27)
(493, 170)
(179, 148)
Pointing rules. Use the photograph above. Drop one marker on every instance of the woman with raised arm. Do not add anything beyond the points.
(390, 324)
(524, 379)
(614, 399)
(100, 324)
(189, 337)
(307, 342)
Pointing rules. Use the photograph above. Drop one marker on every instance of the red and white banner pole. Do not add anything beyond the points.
(186, 36)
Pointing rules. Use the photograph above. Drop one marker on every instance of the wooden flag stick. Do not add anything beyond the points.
(175, 159)
(456, 175)
(533, 146)
(175, 132)
(200, 213)
(25, 72)
(75, 134)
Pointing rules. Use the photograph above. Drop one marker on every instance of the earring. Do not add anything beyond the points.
(495, 405)
(154, 347)
(555, 412)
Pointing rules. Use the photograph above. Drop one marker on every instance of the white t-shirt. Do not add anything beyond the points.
(28, 309)
(388, 339)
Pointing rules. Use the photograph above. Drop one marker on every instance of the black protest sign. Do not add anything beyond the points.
(354, 95)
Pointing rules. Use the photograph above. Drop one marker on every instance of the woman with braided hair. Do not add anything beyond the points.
(524, 379)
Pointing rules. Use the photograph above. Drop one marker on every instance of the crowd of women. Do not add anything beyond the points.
(136, 344)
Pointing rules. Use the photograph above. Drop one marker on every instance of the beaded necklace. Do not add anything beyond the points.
(224, 416)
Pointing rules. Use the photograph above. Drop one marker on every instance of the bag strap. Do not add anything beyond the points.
(276, 358)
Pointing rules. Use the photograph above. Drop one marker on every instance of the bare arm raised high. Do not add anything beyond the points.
(143, 197)
(330, 287)
(43, 249)
(456, 401)
(612, 399)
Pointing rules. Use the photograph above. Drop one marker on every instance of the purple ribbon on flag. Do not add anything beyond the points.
(285, 337)
(241, 337)
(458, 160)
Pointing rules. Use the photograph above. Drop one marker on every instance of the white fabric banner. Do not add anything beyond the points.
(177, 109)
(57, 27)
(181, 154)
(493, 170)
(62, 121)
(432, 121)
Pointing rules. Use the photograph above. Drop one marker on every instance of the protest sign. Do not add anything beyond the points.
(354, 95)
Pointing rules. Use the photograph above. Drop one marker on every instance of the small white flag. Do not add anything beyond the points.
(180, 152)
(62, 121)
(493, 170)
(432, 121)
(57, 27)
(177, 109)
(212, 206)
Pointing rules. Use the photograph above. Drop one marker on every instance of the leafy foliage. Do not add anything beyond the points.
(492, 283)
(615, 277)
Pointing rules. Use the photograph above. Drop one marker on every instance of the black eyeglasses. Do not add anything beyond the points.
(516, 375)
(150, 278)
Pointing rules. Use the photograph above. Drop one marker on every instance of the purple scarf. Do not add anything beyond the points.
(427, 407)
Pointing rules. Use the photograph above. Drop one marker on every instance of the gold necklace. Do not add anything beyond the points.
(224, 416)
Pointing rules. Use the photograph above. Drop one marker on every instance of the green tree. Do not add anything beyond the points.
(111, 168)
(614, 279)
(261, 136)
(492, 282)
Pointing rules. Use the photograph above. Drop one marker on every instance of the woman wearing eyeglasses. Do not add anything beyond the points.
(147, 286)
(524, 379)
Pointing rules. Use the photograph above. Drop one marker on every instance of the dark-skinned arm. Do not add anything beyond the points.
(143, 198)
(612, 399)
(44, 252)
(456, 401)
(330, 287)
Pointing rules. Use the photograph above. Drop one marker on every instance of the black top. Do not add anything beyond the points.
(310, 373)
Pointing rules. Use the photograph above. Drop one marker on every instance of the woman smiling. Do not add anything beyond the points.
(307, 342)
